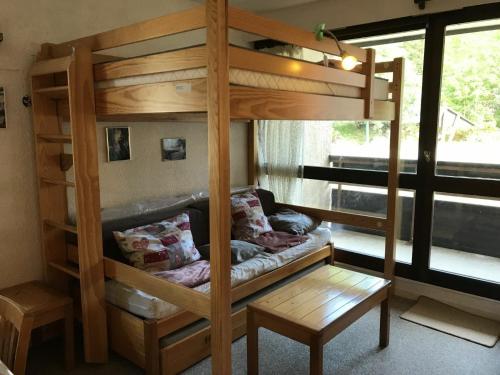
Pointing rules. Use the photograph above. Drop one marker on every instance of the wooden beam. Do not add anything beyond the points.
(256, 103)
(384, 67)
(363, 221)
(179, 96)
(88, 205)
(50, 66)
(187, 298)
(251, 23)
(219, 184)
(368, 92)
(243, 58)
(187, 20)
(252, 152)
(186, 58)
(393, 171)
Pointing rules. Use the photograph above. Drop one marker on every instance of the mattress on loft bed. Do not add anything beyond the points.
(253, 79)
(149, 307)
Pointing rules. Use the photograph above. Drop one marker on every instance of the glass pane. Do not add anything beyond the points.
(469, 121)
(366, 200)
(365, 144)
(466, 236)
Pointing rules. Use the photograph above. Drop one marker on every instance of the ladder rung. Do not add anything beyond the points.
(50, 66)
(55, 92)
(54, 181)
(63, 226)
(66, 268)
(55, 138)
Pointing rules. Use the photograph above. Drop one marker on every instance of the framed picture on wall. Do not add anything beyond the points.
(3, 116)
(173, 149)
(118, 143)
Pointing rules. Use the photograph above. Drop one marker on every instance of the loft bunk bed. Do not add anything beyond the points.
(71, 82)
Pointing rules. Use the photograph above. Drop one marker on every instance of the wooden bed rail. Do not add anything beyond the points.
(187, 298)
(251, 23)
(170, 24)
(364, 221)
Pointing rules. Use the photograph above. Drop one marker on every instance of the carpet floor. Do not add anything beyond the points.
(413, 350)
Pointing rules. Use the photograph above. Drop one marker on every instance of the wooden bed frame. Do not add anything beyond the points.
(63, 88)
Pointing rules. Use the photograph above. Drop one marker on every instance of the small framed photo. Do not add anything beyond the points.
(118, 143)
(173, 149)
(3, 116)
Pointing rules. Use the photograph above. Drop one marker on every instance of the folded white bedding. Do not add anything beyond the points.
(149, 307)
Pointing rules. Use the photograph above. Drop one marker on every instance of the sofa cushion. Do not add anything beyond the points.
(267, 201)
(247, 216)
(290, 221)
(159, 246)
(240, 251)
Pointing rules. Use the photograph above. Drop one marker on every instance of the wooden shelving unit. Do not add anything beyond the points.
(53, 164)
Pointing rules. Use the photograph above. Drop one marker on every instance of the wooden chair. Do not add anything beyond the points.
(45, 305)
(15, 334)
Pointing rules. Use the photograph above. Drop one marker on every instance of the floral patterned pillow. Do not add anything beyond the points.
(248, 217)
(159, 246)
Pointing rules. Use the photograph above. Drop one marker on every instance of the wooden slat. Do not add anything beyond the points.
(72, 253)
(62, 226)
(191, 19)
(55, 138)
(187, 298)
(88, 205)
(186, 58)
(363, 221)
(66, 268)
(50, 66)
(256, 103)
(219, 183)
(243, 58)
(55, 92)
(384, 67)
(369, 91)
(249, 22)
(184, 96)
(53, 181)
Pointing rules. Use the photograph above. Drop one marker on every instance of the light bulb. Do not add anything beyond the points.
(348, 61)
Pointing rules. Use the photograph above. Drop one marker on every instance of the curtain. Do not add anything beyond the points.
(281, 149)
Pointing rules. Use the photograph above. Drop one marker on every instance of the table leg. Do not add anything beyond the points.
(385, 316)
(69, 337)
(252, 344)
(316, 357)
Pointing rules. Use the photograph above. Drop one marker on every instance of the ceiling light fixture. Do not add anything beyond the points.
(348, 61)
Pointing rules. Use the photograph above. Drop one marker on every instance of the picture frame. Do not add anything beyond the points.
(118, 144)
(173, 149)
(3, 106)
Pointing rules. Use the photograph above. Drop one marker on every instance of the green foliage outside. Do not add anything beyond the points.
(470, 87)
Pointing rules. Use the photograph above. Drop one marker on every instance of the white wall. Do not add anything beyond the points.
(25, 25)
(341, 13)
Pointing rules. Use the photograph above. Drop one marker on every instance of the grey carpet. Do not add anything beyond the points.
(414, 350)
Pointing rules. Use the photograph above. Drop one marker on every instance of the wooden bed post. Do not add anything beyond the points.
(219, 184)
(392, 196)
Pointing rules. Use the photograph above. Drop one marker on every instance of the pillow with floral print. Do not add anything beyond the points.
(161, 246)
(248, 217)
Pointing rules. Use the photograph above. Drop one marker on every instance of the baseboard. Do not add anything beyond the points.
(412, 289)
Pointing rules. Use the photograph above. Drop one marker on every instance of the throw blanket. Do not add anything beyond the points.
(190, 275)
(276, 242)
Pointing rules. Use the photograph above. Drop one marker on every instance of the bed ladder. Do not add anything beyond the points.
(67, 167)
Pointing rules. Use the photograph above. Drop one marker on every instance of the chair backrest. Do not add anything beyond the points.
(15, 333)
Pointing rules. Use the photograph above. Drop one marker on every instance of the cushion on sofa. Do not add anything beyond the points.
(247, 216)
(159, 246)
(290, 221)
(240, 251)
(267, 201)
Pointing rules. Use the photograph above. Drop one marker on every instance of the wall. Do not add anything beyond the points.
(341, 13)
(26, 24)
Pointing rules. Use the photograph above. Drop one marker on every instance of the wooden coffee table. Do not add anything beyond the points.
(315, 308)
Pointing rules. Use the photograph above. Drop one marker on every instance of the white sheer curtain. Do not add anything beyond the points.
(281, 149)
